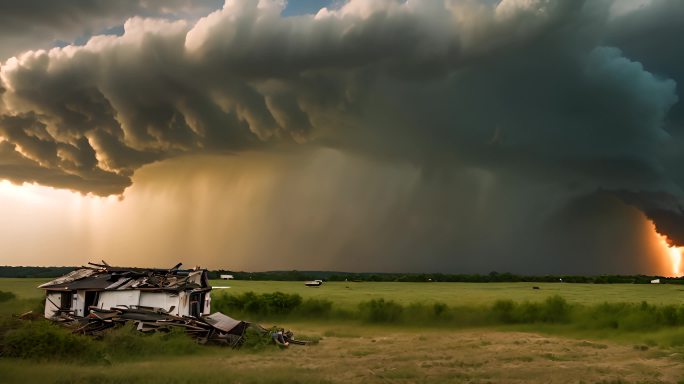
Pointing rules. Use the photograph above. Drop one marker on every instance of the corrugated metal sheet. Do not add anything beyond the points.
(71, 276)
(106, 278)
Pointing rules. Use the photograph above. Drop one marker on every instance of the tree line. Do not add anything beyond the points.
(492, 277)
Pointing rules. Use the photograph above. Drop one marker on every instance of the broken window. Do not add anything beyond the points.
(196, 304)
(90, 300)
(65, 301)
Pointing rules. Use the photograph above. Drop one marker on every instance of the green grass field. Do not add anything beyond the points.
(352, 350)
(349, 294)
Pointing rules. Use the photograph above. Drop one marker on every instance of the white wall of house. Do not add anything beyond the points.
(180, 302)
(207, 304)
(162, 300)
(109, 299)
(165, 300)
(53, 301)
(183, 304)
(79, 303)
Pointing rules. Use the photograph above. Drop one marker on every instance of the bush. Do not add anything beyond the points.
(255, 340)
(421, 313)
(43, 340)
(276, 303)
(6, 296)
(629, 317)
(315, 308)
(440, 309)
(503, 311)
(554, 309)
(127, 342)
(280, 303)
(380, 311)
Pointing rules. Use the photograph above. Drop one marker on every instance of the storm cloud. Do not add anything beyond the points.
(33, 24)
(553, 101)
(526, 84)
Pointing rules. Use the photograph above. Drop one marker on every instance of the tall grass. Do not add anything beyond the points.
(622, 317)
(276, 305)
(6, 296)
(43, 340)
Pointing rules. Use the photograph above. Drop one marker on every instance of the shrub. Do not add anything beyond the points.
(380, 311)
(440, 309)
(503, 311)
(280, 303)
(127, 342)
(421, 313)
(555, 309)
(6, 296)
(527, 312)
(276, 303)
(315, 308)
(43, 340)
(670, 316)
(255, 340)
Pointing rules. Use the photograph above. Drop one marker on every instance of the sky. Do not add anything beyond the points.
(457, 136)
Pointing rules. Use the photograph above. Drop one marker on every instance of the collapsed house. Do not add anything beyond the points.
(180, 292)
(98, 297)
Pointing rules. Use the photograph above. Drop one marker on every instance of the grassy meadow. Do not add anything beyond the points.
(385, 332)
(350, 294)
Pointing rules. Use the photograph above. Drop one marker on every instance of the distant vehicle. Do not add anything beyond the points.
(315, 283)
(227, 277)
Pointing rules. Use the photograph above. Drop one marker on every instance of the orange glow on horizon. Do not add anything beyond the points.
(673, 253)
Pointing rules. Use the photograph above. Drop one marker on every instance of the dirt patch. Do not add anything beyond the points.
(378, 355)
(479, 357)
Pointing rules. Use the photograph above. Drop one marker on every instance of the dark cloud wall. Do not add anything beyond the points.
(32, 24)
(566, 97)
(464, 82)
(326, 209)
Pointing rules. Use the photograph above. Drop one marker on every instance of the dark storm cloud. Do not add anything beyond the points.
(31, 24)
(425, 133)
(30, 154)
(554, 92)
(650, 35)
(20, 169)
(664, 209)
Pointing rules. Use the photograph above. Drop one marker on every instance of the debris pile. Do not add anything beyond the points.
(180, 292)
(97, 297)
(107, 278)
(216, 328)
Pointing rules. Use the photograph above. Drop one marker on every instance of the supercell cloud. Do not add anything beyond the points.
(561, 109)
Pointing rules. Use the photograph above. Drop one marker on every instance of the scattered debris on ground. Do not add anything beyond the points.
(216, 328)
(181, 292)
(97, 297)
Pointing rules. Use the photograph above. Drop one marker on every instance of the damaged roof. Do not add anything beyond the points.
(103, 277)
